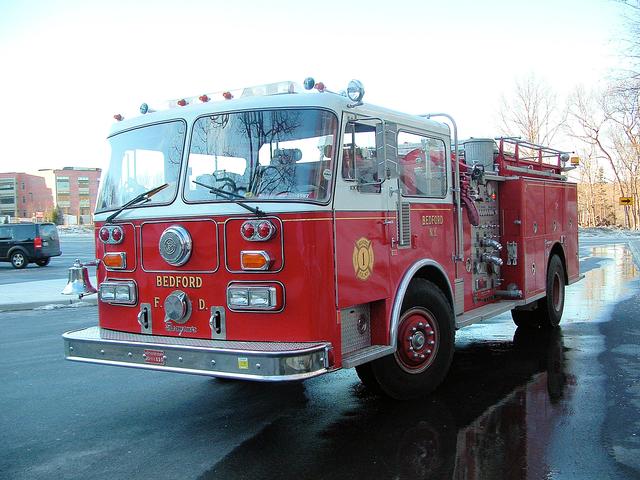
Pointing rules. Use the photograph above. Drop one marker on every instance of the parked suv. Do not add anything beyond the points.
(21, 243)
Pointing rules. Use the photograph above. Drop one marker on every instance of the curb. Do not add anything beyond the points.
(16, 307)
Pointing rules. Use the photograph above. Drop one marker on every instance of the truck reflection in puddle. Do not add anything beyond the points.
(493, 417)
(490, 419)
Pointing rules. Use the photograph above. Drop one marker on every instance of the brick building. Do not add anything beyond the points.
(75, 191)
(24, 196)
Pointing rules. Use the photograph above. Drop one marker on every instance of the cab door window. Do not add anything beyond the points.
(422, 166)
(359, 157)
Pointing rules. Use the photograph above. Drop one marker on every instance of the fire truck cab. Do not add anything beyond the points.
(275, 234)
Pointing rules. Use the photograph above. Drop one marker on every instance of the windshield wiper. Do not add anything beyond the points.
(143, 197)
(231, 196)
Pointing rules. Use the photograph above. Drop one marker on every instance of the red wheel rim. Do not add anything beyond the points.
(418, 340)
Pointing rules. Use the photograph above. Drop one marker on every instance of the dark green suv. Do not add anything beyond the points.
(21, 243)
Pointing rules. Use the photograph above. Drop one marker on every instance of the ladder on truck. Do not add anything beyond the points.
(521, 156)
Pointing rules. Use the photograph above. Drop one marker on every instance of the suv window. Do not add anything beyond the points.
(48, 230)
(24, 232)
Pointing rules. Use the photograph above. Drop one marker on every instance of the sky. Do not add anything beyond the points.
(68, 66)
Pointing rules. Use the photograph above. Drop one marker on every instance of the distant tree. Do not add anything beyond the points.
(531, 111)
(57, 216)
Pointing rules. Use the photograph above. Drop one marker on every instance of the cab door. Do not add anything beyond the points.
(363, 220)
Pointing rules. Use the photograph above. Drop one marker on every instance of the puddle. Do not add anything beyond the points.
(496, 415)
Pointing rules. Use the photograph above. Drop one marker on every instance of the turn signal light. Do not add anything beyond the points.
(115, 260)
(255, 260)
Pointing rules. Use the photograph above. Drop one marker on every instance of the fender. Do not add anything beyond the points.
(402, 290)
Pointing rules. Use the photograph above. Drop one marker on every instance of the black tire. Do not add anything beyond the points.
(423, 358)
(368, 378)
(550, 307)
(43, 262)
(525, 318)
(19, 259)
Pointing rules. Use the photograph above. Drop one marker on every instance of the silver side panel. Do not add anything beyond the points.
(458, 299)
(356, 328)
(261, 361)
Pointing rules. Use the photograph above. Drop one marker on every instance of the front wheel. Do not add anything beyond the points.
(425, 344)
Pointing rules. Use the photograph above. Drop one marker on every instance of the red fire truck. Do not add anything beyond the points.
(274, 233)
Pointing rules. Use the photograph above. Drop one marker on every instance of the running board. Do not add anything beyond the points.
(366, 355)
(483, 313)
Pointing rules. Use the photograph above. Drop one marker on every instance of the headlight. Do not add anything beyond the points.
(124, 293)
(254, 297)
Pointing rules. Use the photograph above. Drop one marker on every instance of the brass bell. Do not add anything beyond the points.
(79, 283)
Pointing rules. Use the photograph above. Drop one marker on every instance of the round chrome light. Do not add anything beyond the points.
(177, 307)
(175, 245)
(355, 91)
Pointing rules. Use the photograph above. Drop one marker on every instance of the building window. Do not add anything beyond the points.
(22, 185)
(24, 200)
(62, 184)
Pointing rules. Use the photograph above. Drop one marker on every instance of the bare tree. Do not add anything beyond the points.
(531, 111)
(609, 121)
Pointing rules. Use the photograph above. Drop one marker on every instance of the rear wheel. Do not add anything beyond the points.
(19, 259)
(546, 312)
(552, 306)
(425, 344)
(525, 318)
(43, 262)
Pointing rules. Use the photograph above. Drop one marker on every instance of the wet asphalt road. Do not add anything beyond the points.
(72, 246)
(516, 404)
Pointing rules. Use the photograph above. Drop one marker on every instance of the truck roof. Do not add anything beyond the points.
(326, 100)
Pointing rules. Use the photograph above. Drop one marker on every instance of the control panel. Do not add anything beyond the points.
(485, 261)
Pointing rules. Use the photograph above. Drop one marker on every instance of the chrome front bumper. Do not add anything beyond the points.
(262, 361)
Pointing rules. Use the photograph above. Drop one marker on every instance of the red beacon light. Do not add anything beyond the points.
(320, 87)
(227, 95)
(204, 98)
(248, 230)
(118, 117)
(182, 102)
(266, 230)
(117, 234)
(104, 234)
(257, 231)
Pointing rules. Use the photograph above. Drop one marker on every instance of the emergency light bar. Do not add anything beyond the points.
(355, 92)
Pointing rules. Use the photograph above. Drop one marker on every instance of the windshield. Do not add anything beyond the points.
(266, 154)
(142, 159)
